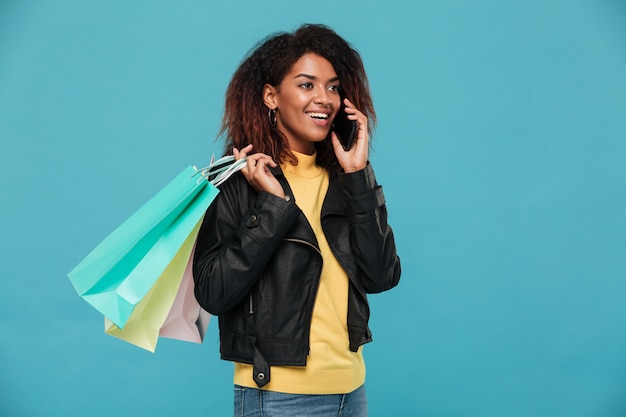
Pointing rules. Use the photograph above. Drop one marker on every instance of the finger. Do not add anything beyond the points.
(245, 171)
(261, 168)
(261, 157)
(355, 114)
(251, 162)
(336, 144)
(267, 160)
(239, 154)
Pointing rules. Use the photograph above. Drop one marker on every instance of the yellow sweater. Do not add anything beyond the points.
(331, 367)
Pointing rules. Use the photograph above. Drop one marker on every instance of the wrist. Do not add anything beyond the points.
(353, 168)
(359, 182)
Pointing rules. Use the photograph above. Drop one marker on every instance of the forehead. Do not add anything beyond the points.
(313, 65)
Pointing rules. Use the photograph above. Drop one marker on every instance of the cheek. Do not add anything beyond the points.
(290, 106)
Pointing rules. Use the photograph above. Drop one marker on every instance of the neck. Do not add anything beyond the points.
(306, 166)
(305, 148)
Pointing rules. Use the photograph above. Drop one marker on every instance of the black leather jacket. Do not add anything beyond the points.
(257, 266)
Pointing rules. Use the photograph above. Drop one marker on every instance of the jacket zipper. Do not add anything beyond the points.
(304, 242)
(250, 306)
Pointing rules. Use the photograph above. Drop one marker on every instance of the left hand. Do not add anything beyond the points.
(356, 158)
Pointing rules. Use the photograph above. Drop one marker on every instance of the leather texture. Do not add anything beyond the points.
(257, 266)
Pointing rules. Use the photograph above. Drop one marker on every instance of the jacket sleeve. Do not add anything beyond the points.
(232, 250)
(371, 238)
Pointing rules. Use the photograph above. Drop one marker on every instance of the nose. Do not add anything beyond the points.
(323, 98)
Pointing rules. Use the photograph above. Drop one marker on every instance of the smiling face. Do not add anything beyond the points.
(306, 102)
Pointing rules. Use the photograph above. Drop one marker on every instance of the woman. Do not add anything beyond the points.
(291, 245)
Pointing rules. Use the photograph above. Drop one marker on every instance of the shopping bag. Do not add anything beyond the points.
(118, 273)
(153, 245)
(143, 326)
(186, 320)
(150, 320)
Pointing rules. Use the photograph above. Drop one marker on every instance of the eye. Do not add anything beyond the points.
(334, 88)
(306, 85)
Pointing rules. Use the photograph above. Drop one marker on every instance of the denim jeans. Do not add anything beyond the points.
(251, 402)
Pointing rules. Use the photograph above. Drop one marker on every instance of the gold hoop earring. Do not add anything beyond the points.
(272, 116)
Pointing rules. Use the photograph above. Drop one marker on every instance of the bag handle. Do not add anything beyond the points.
(219, 171)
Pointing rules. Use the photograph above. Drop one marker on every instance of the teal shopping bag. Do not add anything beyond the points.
(119, 272)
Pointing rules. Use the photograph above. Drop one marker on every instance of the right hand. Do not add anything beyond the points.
(257, 172)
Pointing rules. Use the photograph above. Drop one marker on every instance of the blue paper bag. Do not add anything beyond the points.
(120, 271)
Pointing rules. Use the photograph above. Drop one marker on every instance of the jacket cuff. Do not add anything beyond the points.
(284, 208)
(270, 214)
(359, 182)
(361, 191)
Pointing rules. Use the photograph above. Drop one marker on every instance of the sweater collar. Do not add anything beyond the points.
(307, 166)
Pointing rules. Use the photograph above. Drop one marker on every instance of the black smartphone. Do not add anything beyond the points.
(344, 127)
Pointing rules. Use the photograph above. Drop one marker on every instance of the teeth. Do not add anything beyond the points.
(318, 115)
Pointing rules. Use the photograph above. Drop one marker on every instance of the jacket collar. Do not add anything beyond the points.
(334, 202)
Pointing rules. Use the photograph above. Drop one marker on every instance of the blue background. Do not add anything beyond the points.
(501, 147)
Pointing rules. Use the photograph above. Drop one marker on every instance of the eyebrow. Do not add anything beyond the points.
(313, 77)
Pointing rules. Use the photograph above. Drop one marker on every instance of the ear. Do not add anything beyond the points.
(270, 96)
